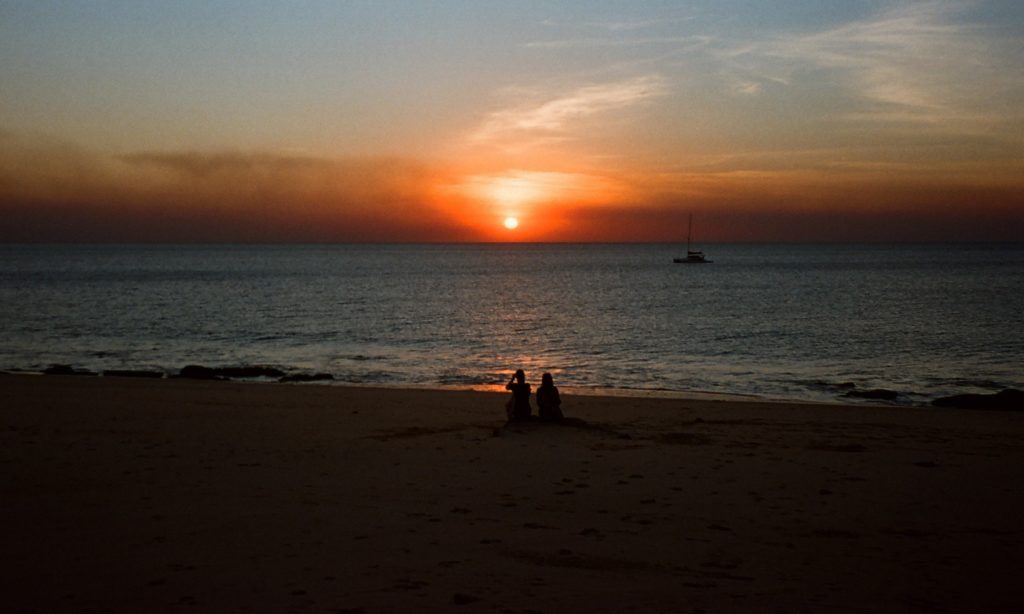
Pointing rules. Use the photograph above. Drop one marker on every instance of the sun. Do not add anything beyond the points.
(511, 223)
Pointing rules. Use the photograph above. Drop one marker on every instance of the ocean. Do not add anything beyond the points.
(804, 322)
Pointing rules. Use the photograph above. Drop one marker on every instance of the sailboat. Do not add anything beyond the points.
(692, 256)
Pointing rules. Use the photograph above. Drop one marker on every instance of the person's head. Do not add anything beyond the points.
(546, 380)
(520, 376)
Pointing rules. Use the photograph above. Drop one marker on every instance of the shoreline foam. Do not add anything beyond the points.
(296, 376)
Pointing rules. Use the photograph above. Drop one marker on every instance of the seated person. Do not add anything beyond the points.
(549, 404)
(519, 405)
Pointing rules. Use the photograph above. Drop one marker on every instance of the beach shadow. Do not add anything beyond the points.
(413, 432)
(525, 426)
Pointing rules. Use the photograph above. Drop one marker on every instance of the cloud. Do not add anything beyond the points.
(926, 66)
(520, 188)
(621, 25)
(618, 42)
(200, 164)
(748, 88)
(557, 115)
(359, 181)
(58, 191)
(922, 63)
(629, 25)
(624, 33)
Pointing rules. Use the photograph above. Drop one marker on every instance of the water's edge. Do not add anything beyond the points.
(497, 388)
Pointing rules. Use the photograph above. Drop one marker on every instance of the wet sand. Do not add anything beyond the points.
(131, 495)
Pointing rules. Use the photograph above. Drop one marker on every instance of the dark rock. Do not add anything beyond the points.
(1004, 399)
(876, 393)
(132, 373)
(306, 377)
(249, 372)
(201, 372)
(198, 372)
(59, 370)
(66, 370)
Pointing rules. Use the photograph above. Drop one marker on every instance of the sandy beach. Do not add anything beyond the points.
(129, 495)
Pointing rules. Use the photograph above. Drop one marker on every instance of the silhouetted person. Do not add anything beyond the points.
(519, 404)
(549, 404)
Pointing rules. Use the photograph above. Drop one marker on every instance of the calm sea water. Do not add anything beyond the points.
(781, 321)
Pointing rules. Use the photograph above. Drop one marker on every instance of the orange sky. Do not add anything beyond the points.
(62, 193)
(888, 122)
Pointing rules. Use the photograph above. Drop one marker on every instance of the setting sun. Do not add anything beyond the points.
(511, 223)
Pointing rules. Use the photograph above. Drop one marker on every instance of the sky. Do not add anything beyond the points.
(408, 121)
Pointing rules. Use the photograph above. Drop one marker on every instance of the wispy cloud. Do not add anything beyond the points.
(520, 188)
(925, 65)
(749, 88)
(202, 165)
(630, 25)
(620, 25)
(648, 41)
(623, 33)
(919, 63)
(556, 115)
(52, 190)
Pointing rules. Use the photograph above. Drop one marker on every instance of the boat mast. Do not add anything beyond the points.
(689, 233)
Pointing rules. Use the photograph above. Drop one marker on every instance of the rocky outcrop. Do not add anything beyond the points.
(198, 372)
(215, 373)
(306, 377)
(1005, 399)
(66, 370)
(234, 372)
(878, 394)
(132, 373)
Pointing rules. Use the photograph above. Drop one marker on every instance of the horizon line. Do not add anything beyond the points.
(489, 243)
